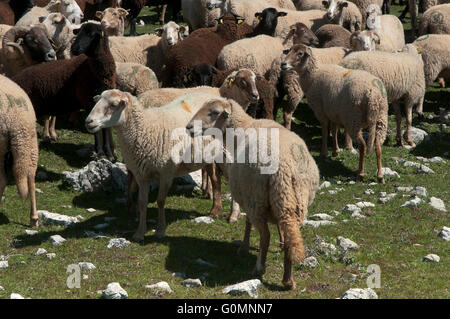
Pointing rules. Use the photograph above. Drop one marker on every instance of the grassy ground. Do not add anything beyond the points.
(388, 236)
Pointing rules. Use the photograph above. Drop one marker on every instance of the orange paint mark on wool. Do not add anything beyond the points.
(185, 107)
(346, 73)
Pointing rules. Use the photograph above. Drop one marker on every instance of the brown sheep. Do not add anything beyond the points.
(333, 35)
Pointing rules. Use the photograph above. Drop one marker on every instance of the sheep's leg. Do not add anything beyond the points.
(362, 155)
(441, 82)
(204, 182)
(109, 144)
(98, 145)
(404, 12)
(245, 246)
(133, 27)
(264, 241)
(162, 194)
(324, 151)
(281, 235)
(3, 177)
(287, 117)
(398, 118)
(348, 142)
(132, 188)
(53, 134)
(144, 189)
(414, 12)
(408, 137)
(214, 175)
(34, 218)
(334, 131)
(379, 165)
(419, 108)
(46, 131)
(235, 211)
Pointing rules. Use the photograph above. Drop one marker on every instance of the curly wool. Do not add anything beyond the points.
(135, 78)
(332, 35)
(436, 20)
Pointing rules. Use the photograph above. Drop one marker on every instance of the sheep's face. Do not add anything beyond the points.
(112, 18)
(297, 58)
(213, 4)
(268, 20)
(201, 74)
(372, 12)
(214, 113)
(87, 40)
(171, 33)
(334, 8)
(364, 41)
(303, 35)
(108, 111)
(37, 41)
(243, 85)
(70, 9)
(58, 27)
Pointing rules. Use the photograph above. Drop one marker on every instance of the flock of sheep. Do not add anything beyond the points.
(230, 67)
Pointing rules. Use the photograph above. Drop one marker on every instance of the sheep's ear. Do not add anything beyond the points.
(308, 51)
(76, 31)
(97, 98)
(159, 32)
(325, 4)
(226, 113)
(182, 29)
(122, 12)
(376, 37)
(282, 14)
(41, 19)
(99, 15)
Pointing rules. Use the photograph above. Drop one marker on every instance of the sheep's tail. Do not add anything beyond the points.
(293, 240)
(376, 117)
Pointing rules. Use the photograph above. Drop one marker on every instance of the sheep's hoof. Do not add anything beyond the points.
(34, 222)
(54, 137)
(233, 218)
(215, 212)
(243, 250)
(399, 144)
(289, 285)
(411, 143)
(380, 179)
(335, 153)
(46, 138)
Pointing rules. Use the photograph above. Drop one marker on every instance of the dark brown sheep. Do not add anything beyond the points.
(202, 46)
(333, 35)
(6, 13)
(63, 86)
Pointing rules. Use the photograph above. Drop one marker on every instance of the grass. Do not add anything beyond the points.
(387, 237)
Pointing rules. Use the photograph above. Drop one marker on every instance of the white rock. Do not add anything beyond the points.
(179, 274)
(437, 203)
(249, 287)
(85, 277)
(40, 251)
(101, 226)
(335, 212)
(413, 202)
(411, 164)
(387, 197)
(1, 288)
(51, 256)
(346, 244)
(417, 135)
(388, 172)
(321, 217)
(325, 184)
(420, 191)
(425, 169)
(4, 264)
(310, 262)
(327, 248)
(432, 258)
(203, 219)
(364, 204)
(352, 208)
(118, 243)
(404, 189)
(31, 232)
(92, 234)
(114, 291)
(16, 296)
(91, 210)
(332, 192)
(436, 159)
(358, 293)
(351, 182)
(369, 192)
(57, 219)
(191, 282)
(445, 233)
(161, 286)
(357, 215)
(86, 266)
(317, 223)
(57, 240)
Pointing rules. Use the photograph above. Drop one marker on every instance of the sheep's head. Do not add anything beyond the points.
(268, 20)
(88, 39)
(69, 8)
(411, 49)
(301, 34)
(200, 74)
(58, 28)
(228, 26)
(242, 84)
(35, 39)
(334, 8)
(108, 110)
(112, 18)
(214, 113)
(214, 4)
(372, 12)
(364, 40)
(297, 57)
(171, 33)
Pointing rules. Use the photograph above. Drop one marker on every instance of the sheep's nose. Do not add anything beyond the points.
(50, 56)
(329, 16)
(209, 6)
(189, 127)
(88, 121)
(284, 65)
(254, 96)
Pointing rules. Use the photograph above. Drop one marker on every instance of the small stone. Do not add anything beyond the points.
(91, 210)
(67, 206)
(4, 264)
(369, 192)
(1, 288)
(411, 164)
(203, 219)
(351, 182)
(335, 212)
(160, 287)
(364, 204)
(413, 202)
(57, 240)
(93, 234)
(31, 232)
(352, 208)
(321, 217)
(358, 215)
(445, 233)
(420, 191)
(432, 258)
(51, 256)
(418, 135)
(388, 172)
(85, 277)
(317, 223)
(373, 184)
(384, 197)
(346, 244)
(249, 287)
(191, 283)
(101, 226)
(40, 251)
(425, 169)
(325, 184)
(327, 248)
(436, 159)
(118, 243)
(39, 191)
(114, 291)
(405, 189)
(358, 293)
(57, 219)
(310, 262)
(421, 158)
(16, 296)
(86, 266)
(437, 203)
(332, 192)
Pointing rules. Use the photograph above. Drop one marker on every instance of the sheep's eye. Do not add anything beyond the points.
(300, 54)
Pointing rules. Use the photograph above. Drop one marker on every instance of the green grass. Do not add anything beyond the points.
(387, 237)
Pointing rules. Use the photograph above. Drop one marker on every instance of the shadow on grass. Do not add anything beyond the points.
(437, 145)
(3, 219)
(67, 151)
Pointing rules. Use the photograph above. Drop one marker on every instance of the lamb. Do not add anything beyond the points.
(303, 5)
(343, 13)
(23, 47)
(149, 49)
(362, 6)
(63, 86)
(403, 77)
(436, 57)
(203, 45)
(353, 99)
(333, 35)
(135, 78)
(18, 136)
(388, 28)
(113, 20)
(301, 34)
(283, 195)
(436, 20)
(366, 40)
(69, 8)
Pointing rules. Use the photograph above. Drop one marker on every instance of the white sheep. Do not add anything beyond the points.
(388, 28)
(113, 20)
(363, 4)
(366, 40)
(403, 77)
(353, 99)
(303, 5)
(436, 57)
(18, 135)
(61, 31)
(149, 49)
(69, 8)
(436, 20)
(135, 78)
(280, 196)
(313, 19)
(344, 13)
